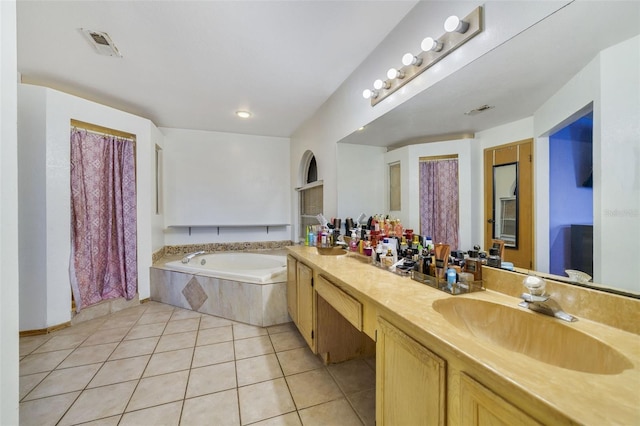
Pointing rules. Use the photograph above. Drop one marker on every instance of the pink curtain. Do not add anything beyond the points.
(103, 262)
(439, 215)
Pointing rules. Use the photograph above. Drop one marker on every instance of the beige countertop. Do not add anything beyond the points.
(585, 398)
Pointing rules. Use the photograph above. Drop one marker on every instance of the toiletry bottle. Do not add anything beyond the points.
(494, 257)
(388, 260)
(451, 278)
(442, 259)
(428, 243)
(353, 243)
(379, 252)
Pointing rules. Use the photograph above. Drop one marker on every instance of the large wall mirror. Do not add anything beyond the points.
(505, 204)
(601, 75)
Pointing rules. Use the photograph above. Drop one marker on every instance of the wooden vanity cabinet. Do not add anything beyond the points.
(306, 303)
(292, 288)
(410, 380)
(301, 299)
(479, 406)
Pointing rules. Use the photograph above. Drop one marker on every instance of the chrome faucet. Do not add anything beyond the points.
(545, 305)
(190, 256)
(538, 301)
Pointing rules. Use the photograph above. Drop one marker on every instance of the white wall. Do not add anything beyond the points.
(233, 180)
(50, 133)
(346, 110)
(157, 221)
(361, 187)
(8, 217)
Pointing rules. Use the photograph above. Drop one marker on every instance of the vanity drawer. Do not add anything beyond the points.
(346, 305)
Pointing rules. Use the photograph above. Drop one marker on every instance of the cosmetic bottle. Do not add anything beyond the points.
(494, 257)
(451, 278)
(442, 259)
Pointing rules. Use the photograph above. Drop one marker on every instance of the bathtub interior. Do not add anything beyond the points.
(243, 267)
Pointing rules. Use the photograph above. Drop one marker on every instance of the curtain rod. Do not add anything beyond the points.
(438, 158)
(99, 130)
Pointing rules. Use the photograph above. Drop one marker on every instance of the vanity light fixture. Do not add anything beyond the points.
(379, 84)
(243, 114)
(458, 32)
(410, 59)
(395, 73)
(369, 94)
(455, 24)
(429, 44)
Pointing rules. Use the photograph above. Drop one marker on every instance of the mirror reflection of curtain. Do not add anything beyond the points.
(103, 262)
(439, 212)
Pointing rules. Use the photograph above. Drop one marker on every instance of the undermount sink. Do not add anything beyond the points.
(331, 251)
(533, 335)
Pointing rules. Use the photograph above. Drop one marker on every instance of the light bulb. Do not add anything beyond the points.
(410, 59)
(453, 23)
(394, 73)
(368, 94)
(243, 114)
(379, 84)
(430, 44)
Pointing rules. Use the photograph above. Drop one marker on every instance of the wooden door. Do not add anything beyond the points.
(520, 152)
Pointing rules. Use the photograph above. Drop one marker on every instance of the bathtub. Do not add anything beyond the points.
(244, 267)
(244, 287)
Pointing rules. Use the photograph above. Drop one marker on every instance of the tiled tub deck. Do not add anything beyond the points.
(256, 304)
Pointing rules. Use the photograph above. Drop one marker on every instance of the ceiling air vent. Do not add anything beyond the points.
(102, 43)
(478, 110)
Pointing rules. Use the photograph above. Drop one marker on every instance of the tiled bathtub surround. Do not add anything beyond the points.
(157, 255)
(156, 364)
(215, 247)
(256, 304)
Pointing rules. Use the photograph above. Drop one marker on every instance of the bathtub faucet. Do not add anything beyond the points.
(190, 256)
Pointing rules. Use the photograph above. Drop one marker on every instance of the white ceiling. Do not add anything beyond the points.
(192, 64)
(516, 77)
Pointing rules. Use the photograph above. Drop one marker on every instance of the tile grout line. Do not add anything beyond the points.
(146, 365)
(94, 375)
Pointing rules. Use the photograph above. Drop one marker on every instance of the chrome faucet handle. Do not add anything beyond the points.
(535, 285)
(531, 298)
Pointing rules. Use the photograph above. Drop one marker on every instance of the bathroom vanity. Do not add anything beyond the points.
(471, 359)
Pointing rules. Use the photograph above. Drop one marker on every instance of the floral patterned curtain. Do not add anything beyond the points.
(439, 213)
(103, 262)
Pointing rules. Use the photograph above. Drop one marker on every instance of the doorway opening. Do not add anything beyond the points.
(571, 197)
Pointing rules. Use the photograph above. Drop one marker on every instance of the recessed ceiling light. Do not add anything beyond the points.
(360, 128)
(243, 114)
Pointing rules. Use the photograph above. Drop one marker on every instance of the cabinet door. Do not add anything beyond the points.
(292, 290)
(410, 380)
(480, 406)
(305, 303)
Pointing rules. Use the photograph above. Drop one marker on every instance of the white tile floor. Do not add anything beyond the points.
(155, 364)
